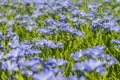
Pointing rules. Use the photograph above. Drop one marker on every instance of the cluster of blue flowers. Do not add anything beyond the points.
(98, 60)
(89, 60)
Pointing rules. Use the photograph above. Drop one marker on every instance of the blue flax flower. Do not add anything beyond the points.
(32, 51)
(60, 76)
(77, 55)
(95, 52)
(9, 66)
(1, 36)
(48, 75)
(115, 41)
(88, 65)
(56, 62)
(101, 70)
(29, 62)
(27, 72)
(15, 42)
(116, 29)
(1, 55)
(72, 78)
(15, 54)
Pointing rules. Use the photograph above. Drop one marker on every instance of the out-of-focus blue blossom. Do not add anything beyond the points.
(117, 9)
(36, 13)
(100, 47)
(92, 64)
(77, 55)
(9, 66)
(73, 31)
(1, 55)
(60, 45)
(38, 43)
(79, 34)
(82, 78)
(95, 52)
(10, 11)
(27, 72)
(97, 21)
(52, 29)
(1, 14)
(118, 1)
(75, 11)
(48, 75)
(41, 67)
(88, 65)
(49, 20)
(43, 31)
(60, 77)
(56, 70)
(10, 22)
(66, 3)
(15, 54)
(84, 21)
(116, 29)
(25, 42)
(108, 25)
(3, 20)
(3, 2)
(23, 21)
(48, 43)
(34, 68)
(110, 60)
(65, 25)
(10, 28)
(29, 28)
(26, 16)
(101, 70)
(1, 36)
(15, 42)
(92, 7)
(32, 23)
(106, 0)
(21, 63)
(62, 16)
(25, 46)
(91, 15)
(32, 51)
(117, 47)
(18, 16)
(72, 77)
(47, 67)
(83, 13)
(115, 41)
(32, 61)
(10, 33)
(110, 18)
(56, 62)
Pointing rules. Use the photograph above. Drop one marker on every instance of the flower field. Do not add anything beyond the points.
(59, 39)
